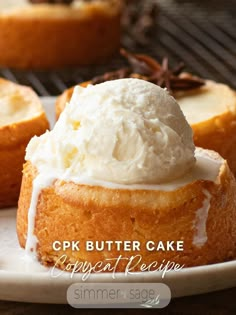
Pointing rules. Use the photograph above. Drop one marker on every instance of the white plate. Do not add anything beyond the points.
(26, 280)
(22, 279)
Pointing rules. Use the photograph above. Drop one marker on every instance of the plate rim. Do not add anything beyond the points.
(38, 279)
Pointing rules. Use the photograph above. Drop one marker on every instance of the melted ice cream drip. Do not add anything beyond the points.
(200, 224)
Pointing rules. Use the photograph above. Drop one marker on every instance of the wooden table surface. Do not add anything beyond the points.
(217, 303)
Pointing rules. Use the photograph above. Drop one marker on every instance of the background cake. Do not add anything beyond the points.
(50, 35)
(21, 117)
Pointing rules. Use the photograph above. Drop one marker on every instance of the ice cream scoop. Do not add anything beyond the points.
(126, 131)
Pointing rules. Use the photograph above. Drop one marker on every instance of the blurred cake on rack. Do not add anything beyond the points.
(58, 33)
(210, 107)
(21, 118)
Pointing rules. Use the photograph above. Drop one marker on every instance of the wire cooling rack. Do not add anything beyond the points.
(200, 33)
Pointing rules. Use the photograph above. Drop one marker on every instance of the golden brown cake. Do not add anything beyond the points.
(56, 35)
(211, 112)
(21, 117)
(120, 164)
(68, 211)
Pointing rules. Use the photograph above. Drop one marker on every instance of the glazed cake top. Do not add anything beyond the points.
(17, 103)
(209, 101)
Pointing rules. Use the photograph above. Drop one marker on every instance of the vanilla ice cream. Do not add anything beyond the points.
(126, 131)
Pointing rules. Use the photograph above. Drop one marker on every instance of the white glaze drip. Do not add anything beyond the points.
(40, 182)
(200, 223)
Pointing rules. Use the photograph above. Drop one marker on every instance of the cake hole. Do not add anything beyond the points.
(132, 220)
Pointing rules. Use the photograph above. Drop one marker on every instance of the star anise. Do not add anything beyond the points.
(161, 74)
(148, 69)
